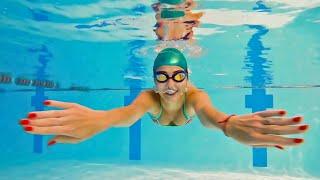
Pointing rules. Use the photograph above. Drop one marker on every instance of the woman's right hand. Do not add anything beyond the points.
(73, 124)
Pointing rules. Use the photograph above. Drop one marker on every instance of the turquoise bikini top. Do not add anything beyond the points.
(157, 117)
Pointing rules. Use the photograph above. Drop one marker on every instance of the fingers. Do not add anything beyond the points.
(47, 114)
(269, 113)
(274, 140)
(59, 104)
(53, 113)
(272, 146)
(283, 130)
(282, 121)
(63, 139)
(46, 122)
(52, 130)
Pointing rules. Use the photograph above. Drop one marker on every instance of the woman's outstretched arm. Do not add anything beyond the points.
(257, 129)
(207, 113)
(76, 123)
(128, 115)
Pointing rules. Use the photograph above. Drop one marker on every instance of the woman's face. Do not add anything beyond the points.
(176, 89)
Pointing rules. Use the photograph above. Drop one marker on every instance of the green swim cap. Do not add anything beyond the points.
(170, 57)
(170, 13)
(171, 1)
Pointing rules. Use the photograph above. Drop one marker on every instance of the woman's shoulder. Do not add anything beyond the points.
(193, 94)
(151, 95)
(193, 90)
(153, 100)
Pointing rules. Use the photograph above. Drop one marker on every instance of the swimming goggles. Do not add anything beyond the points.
(178, 76)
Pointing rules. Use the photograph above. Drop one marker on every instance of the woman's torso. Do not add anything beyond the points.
(181, 116)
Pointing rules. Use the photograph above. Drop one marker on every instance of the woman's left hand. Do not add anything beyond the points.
(263, 129)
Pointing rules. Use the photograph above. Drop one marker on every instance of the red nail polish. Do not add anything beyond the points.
(28, 128)
(296, 140)
(279, 147)
(51, 143)
(296, 119)
(46, 102)
(282, 112)
(24, 122)
(304, 127)
(32, 115)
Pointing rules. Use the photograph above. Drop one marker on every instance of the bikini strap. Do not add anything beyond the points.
(160, 113)
(184, 109)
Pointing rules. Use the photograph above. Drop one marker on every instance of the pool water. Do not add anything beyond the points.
(248, 55)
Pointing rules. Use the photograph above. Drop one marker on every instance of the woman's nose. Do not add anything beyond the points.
(171, 83)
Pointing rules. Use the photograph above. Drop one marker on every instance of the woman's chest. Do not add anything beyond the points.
(172, 118)
(179, 117)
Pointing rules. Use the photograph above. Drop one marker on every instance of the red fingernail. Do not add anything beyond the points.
(24, 122)
(32, 115)
(282, 112)
(279, 147)
(51, 143)
(46, 102)
(304, 127)
(296, 140)
(296, 119)
(28, 128)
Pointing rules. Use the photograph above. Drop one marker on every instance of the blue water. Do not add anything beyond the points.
(248, 55)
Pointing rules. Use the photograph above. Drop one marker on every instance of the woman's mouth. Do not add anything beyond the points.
(171, 92)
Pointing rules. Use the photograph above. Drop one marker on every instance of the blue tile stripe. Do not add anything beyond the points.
(36, 101)
(259, 101)
(260, 157)
(136, 68)
(258, 67)
(39, 97)
(134, 130)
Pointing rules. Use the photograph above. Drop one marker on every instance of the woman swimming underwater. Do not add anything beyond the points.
(173, 102)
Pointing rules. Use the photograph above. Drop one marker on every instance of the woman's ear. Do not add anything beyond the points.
(186, 89)
(189, 71)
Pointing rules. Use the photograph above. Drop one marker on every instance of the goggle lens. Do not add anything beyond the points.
(163, 77)
(179, 77)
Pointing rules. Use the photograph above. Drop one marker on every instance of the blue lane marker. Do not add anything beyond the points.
(136, 68)
(259, 101)
(36, 101)
(134, 133)
(258, 67)
(39, 97)
(260, 157)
